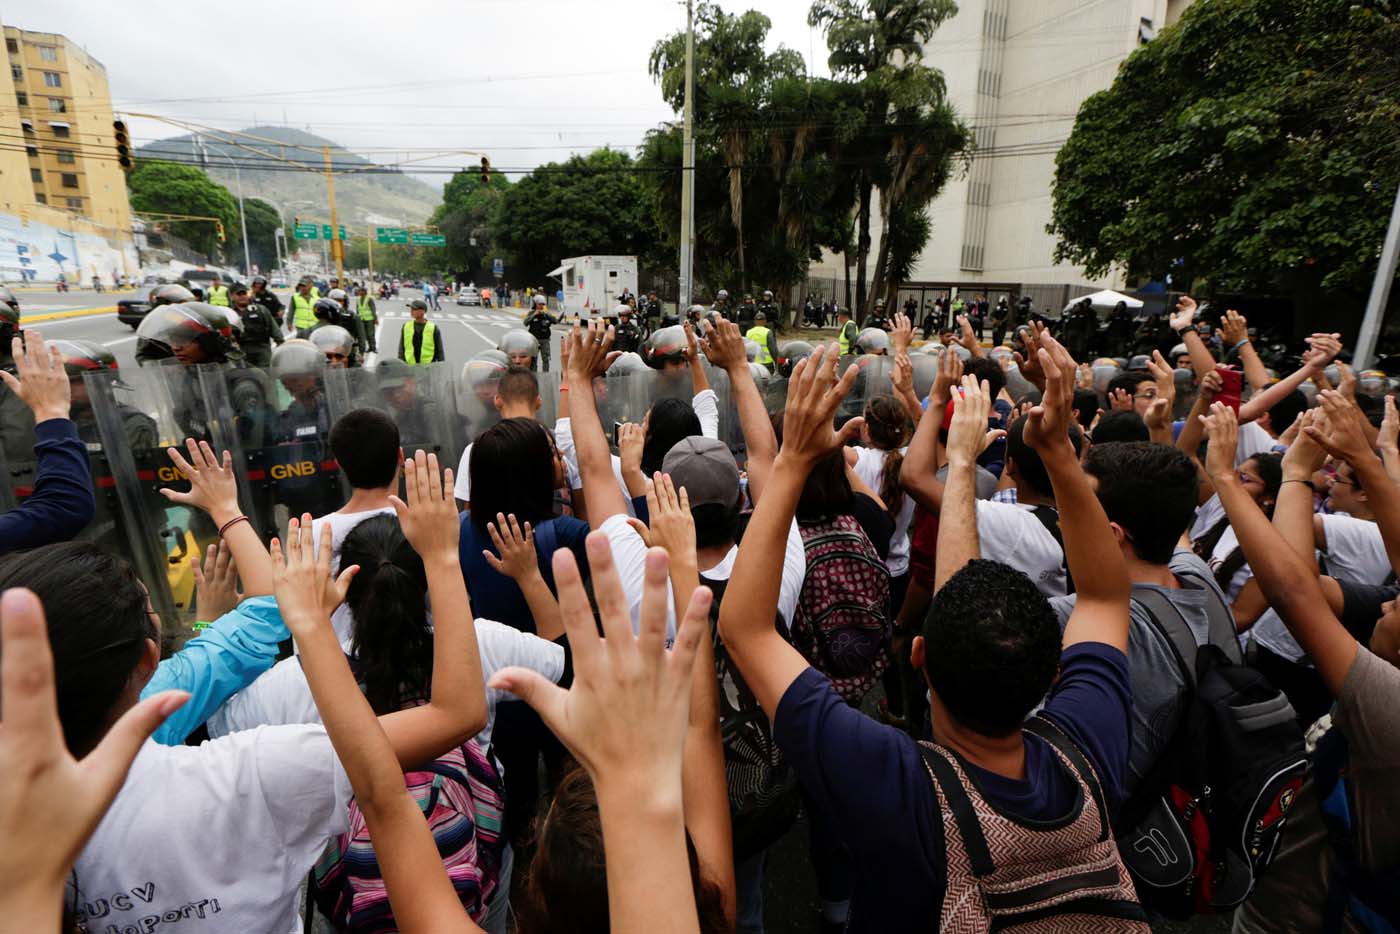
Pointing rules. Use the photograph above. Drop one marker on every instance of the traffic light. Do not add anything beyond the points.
(485, 171)
(123, 146)
(219, 229)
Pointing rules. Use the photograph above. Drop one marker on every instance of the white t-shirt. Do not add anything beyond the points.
(869, 465)
(281, 694)
(1010, 533)
(216, 837)
(1268, 630)
(1253, 440)
(794, 573)
(630, 558)
(1355, 550)
(462, 486)
(1207, 515)
(341, 523)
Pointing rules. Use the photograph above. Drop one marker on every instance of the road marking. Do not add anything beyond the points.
(56, 315)
(120, 340)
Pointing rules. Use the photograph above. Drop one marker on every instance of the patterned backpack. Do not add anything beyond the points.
(462, 797)
(842, 623)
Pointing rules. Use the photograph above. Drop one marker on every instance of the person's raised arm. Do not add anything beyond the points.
(1289, 584)
(1346, 439)
(1159, 415)
(767, 661)
(1388, 440)
(1323, 347)
(420, 893)
(214, 490)
(967, 338)
(705, 792)
(1202, 360)
(62, 502)
(630, 441)
(519, 561)
(1234, 335)
(1294, 516)
(699, 380)
(1102, 585)
(589, 356)
(50, 803)
(625, 718)
(724, 347)
(957, 522)
(918, 475)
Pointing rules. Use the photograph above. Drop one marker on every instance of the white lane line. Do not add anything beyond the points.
(120, 340)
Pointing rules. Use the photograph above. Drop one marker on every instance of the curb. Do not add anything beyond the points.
(59, 315)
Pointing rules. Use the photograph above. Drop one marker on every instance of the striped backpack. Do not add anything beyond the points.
(462, 797)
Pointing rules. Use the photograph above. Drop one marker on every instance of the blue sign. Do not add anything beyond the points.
(498, 267)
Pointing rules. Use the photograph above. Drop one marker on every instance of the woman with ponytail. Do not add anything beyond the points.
(886, 436)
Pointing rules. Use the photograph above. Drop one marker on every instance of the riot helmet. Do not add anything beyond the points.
(171, 294)
(751, 349)
(338, 295)
(9, 318)
(540, 299)
(873, 341)
(667, 345)
(80, 356)
(627, 364)
(327, 310)
(790, 354)
(259, 280)
(227, 322)
(482, 373)
(1138, 361)
(767, 295)
(298, 357)
(520, 347)
(722, 295)
(182, 331)
(759, 372)
(335, 343)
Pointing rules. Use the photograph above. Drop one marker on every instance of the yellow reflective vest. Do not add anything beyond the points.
(759, 335)
(366, 309)
(844, 340)
(303, 312)
(218, 295)
(429, 348)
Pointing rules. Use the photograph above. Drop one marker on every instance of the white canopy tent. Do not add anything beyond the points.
(1106, 300)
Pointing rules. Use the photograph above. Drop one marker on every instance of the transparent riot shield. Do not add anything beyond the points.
(872, 379)
(422, 401)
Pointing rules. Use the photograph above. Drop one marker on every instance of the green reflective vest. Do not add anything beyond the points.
(366, 309)
(847, 337)
(303, 312)
(429, 344)
(218, 295)
(759, 335)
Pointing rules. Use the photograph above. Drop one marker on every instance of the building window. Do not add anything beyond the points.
(70, 179)
(48, 53)
(42, 199)
(17, 72)
(28, 127)
(11, 46)
(32, 151)
(22, 98)
(53, 79)
(75, 203)
(60, 131)
(36, 175)
(65, 157)
(58, 105)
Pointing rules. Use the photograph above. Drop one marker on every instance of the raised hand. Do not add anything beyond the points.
(1223, 430)
(1233, 328)
(42, 383)
(1345, 436)
(1159, 416)
(1210, 386)
(1029, 362)
(902, 334)
(691, 348)
(814, 394)
(672, 526)
(1388, 439)
(967, 338)
(215, 583)
(1305, 456)
(1183, 314)
(1321, 349)
(306, 592)
(515, 545)
(590, 351)
(213, 485)
(1047, 425)
(724, 347)
(50, 803)
(429, 519)
(1120, 400)
(968, 435)
(950, 371)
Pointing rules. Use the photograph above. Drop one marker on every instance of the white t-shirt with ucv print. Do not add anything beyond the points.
(213, 838)
(1010, 533)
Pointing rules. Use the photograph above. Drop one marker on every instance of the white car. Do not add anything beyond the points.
(469, 295)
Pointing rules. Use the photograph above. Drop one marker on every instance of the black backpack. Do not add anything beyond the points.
(1207, 820)
(1049, 517)
(763, 792)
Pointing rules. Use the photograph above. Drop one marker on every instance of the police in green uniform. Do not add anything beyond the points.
(303, 308)
(847, 333)
(766, 340)
(421, 342)
(218, 292)
(260, 330)
(369, 318)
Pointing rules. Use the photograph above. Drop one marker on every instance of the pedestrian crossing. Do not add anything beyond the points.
(503, 319)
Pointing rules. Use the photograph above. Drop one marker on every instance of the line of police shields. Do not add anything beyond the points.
(276, 424)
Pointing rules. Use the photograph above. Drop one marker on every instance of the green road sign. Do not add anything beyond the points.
(306, 232)
(391, 235)
(427, 239)
(326, 232)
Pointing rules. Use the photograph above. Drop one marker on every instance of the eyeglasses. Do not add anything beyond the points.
(1338, 478)
(1146, 394)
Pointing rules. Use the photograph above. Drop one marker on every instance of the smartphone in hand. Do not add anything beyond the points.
(1231, 385)
(617, 434)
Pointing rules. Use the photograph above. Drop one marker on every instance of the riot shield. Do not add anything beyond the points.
(872, 379)
(422, 401)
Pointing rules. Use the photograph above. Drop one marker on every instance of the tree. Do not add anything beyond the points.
(588, 204)
(466, 219)
(160, 187)
(911, 138)
(1250, 146)
(263, 223)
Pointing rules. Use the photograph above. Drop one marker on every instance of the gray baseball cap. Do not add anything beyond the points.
(706, 469)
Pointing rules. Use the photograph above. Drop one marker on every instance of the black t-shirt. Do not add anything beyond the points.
(1361, 606)
(876, 521)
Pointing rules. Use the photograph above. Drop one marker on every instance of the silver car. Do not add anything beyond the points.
(469, 295)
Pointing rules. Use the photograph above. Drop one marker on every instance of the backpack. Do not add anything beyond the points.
(463, 800)
(763, 794)
(1207, 820)
(1370, 898)
(1049, 517)
(842, 623)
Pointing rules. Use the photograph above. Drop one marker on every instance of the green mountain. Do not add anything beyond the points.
(276, 169)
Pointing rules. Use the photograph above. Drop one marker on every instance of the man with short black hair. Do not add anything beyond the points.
(517, 396)
(421, 341)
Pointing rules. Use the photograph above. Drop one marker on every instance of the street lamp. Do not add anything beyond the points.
(242, 217)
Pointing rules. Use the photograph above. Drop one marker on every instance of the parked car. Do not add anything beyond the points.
(469, 295)
(132, 308)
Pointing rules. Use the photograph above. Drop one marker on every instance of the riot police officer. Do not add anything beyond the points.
(81, 357)
(540, 323)
(267, 298)
(1118, 332)
(629, 336)
(747, 310)
(9, 327)
(878, 318)
(873, 340)
(337, 345)
(521, 348)
(171, 294)
(303, 307)
(328, 311)
(651, 312)
(721, 305)
(260, 328)
(770, 311)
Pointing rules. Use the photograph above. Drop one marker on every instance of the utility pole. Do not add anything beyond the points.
(1380, 293)
(688, 166)
(369, 239)
(337, 247)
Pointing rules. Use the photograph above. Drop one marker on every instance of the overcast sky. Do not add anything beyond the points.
(524, 81)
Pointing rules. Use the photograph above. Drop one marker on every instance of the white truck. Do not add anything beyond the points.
(593, 284)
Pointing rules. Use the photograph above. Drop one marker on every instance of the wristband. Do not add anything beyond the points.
(1307, 483)
(1189, 329)
(1238, 345)
(231, 523)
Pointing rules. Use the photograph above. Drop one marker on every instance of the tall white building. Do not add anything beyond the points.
(1016, 72)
